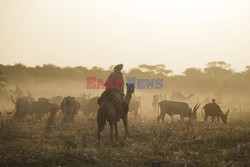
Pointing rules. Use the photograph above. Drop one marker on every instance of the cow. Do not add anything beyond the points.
(42, 107)
(134, 106)
(22, 109)
(22, 106)
(214, 110)
(88, 106)
(69, 107)
(176, 108)
(25, 107)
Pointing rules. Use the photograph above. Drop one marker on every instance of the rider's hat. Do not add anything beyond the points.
(118, 67)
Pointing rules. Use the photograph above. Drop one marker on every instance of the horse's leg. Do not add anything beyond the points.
(111, 125)
(172, 118)
(116, 132)
(101, 123)
(100, 128)
(212, 119)
(125, 123)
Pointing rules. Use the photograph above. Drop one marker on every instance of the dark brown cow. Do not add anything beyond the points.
(69, 107)
(214, 110)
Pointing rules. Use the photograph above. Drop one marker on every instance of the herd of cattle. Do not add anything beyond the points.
(182, 109)
(27, 106)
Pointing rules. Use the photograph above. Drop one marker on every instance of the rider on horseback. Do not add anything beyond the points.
(114, 87)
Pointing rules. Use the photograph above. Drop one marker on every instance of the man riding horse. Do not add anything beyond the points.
(114, 105)
(114, 87)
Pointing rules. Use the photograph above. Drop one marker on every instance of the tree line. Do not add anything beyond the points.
(216, 76)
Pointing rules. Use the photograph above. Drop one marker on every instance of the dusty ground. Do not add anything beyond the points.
(149, 144)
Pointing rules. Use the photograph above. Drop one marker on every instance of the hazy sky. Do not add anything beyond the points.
(177, 33)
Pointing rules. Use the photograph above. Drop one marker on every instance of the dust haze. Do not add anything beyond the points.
(156, 136)
(66, 98)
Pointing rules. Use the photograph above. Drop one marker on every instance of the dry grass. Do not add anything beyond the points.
(149, 144)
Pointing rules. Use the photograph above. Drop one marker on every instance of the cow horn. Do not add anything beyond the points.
(12, 100)
(29, 94)
(196, 107)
